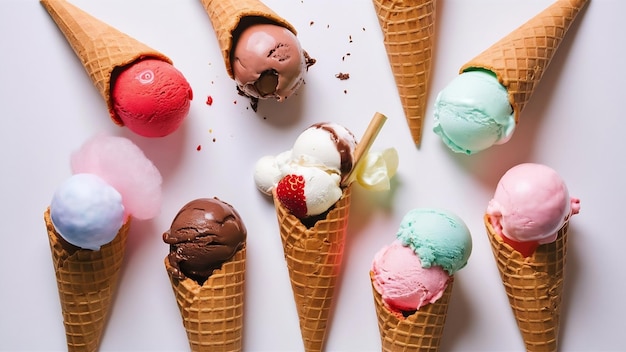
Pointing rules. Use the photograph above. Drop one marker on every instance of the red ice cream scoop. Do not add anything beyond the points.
(151, 97)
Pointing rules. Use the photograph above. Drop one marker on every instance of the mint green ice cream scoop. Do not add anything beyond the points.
(438, 237)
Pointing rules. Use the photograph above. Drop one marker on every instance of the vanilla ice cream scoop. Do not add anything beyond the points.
(327, 145)
(268, 62)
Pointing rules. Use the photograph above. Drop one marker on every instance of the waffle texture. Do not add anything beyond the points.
(408, 30)
(87, 281)
(520, 59)
(420, 331)
(212, 314)
(534, 286)
(100, 47)
(227, 15)
(314, 257)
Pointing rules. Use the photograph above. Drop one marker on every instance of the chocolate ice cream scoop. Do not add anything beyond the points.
(205, 233)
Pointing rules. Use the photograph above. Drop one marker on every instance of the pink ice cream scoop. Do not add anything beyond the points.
(151, 97)
(531, 203)
(401, 280)
(268, 62)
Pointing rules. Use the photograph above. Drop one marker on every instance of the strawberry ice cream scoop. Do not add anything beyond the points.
(531, 203)
(151, 97)
(268, 62)
(403, 283)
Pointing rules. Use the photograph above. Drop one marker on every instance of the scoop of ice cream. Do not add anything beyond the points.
(402, 282)
(124, 166)
(269, 169)
(326, 145)
(531, 203)
(151, 97)
(309, 192)
(112, 180)
(473, 113)
(268, 62)
(86, 211)
(439, 238)
(205, 233)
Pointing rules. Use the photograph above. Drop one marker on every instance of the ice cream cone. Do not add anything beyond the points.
(86, 281)
(534, 286)
(420, 331)
(314, 258)
(213, 313)
(227, 16)
(408, 30)
(520, 59)
(100, 47)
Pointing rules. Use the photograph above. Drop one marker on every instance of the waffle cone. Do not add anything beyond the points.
(86, 281)
(227, 15)
(534, 286)
(213, 313)
(408, 32)
(520, 59)
(314, 258)
(420, 331)
(100, 47)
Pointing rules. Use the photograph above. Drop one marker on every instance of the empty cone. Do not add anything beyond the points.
(314, 257)
(86, 281)
(520, 59)
(213, 313)
(227, 15)
(100, 47)
(534, 286)
(420, 331)
(408, 30)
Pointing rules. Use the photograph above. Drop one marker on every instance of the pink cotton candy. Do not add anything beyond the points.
(124, 166)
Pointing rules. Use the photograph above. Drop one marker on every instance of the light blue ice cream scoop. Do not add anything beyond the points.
(473, 113)
(86, 211)
(438, 236)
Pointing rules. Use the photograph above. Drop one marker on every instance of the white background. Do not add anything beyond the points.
(572, 124)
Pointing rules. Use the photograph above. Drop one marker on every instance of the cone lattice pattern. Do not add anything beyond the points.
(314, 258)
(534, 286)
(100, 47)
(213, 313)
(421, 331)
(86, 281)
(520, 59)
(226, 15)
(408, 30)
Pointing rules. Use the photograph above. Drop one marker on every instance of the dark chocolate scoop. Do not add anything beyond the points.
(205, 233)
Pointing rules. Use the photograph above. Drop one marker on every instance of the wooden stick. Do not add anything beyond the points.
(375, 125)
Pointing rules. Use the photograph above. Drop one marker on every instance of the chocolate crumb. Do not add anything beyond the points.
(342, 76)
(345, 91)
(311, 23)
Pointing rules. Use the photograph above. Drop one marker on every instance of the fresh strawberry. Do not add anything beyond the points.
(290, 192)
